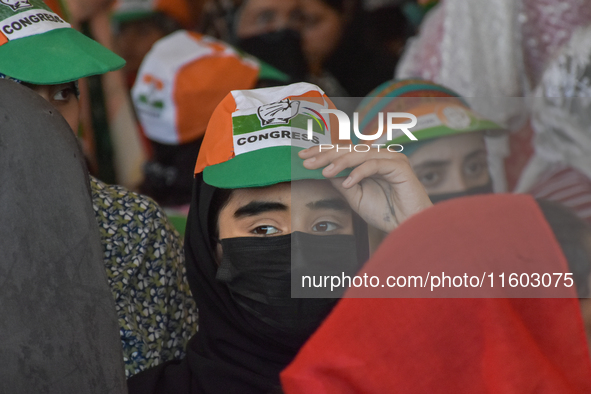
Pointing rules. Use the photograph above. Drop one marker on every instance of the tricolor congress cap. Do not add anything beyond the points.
(132, 10)
(182, 80)
(440, 111)
(254, 136)
(37, 46)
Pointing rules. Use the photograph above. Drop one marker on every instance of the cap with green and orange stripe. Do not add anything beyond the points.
(39, 47)
(182, 80)
(254, 136)
(439, 110)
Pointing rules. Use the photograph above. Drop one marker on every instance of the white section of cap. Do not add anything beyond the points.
(31, 22)
(254, 98)
(128, 6)
(278, 136)
(163, 62)
(248, 102)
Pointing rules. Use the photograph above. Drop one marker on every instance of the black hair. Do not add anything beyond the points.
(342, 6)
(218, 202)
(573, 234)
(168, 175)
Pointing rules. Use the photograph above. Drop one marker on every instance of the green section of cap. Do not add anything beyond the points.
(58, 56)
(442, 131)
(263, 167)
(251, 123)
(130, 16)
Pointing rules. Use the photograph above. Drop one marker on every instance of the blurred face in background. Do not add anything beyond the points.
(133, 41)
(452, 164)
(271, 31)
(264, 16)
(321, 32)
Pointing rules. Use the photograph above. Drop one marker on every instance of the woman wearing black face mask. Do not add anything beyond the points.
(270, 30)
(450, 155)
(259, 214)
(319, 41)
(341, 56)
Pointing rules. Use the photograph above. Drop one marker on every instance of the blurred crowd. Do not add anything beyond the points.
(501, 56)
(502, 93)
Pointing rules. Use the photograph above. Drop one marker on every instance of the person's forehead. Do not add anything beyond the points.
(48, 87)
(449, 147)
(275, 5)
(297, 192)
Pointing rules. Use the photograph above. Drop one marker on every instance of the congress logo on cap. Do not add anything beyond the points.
(278, 113)
(254, 136)
(16, 5)
(37, 46)
(281, 122)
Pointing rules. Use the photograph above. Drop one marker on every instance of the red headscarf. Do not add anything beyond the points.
(478, 345)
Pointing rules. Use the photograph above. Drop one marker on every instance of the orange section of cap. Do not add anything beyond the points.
(218, 143)
(3, 39)
(177, 9)
(313, 96)
(56, 6)
(200, 86)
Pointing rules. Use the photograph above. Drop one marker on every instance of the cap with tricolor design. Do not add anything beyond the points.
(440, 111)
(37, 46)
(183, 78)
(131, 10)
(254, 136)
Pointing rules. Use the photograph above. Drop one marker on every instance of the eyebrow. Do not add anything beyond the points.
(475, 153)
(254, 208)
(441, 163)
(336, 204)
(432, 163)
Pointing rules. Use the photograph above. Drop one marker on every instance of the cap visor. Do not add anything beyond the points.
(443, 131)
(261, 168)
(58, 56)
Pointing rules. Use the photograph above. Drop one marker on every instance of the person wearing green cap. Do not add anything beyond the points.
(260, 216)
(450, 154)
(142, 251)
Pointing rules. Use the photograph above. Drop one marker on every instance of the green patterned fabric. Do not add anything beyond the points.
(145, 266)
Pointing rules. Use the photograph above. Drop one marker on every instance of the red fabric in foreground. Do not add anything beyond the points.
(568, 187)
(452, 345)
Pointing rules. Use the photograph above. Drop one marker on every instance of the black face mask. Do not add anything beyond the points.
(258, 273)
(484, 189)
(281, 49)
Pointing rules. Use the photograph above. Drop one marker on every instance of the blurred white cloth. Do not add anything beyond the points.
(492, 49)
(561, 113)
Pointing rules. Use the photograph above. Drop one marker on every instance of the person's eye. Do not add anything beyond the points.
(265, 18)
(475, 168)
(265, 230)
(430, 178)
(296, 18)
(64, 94)
(324, 227)
(310, 21)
